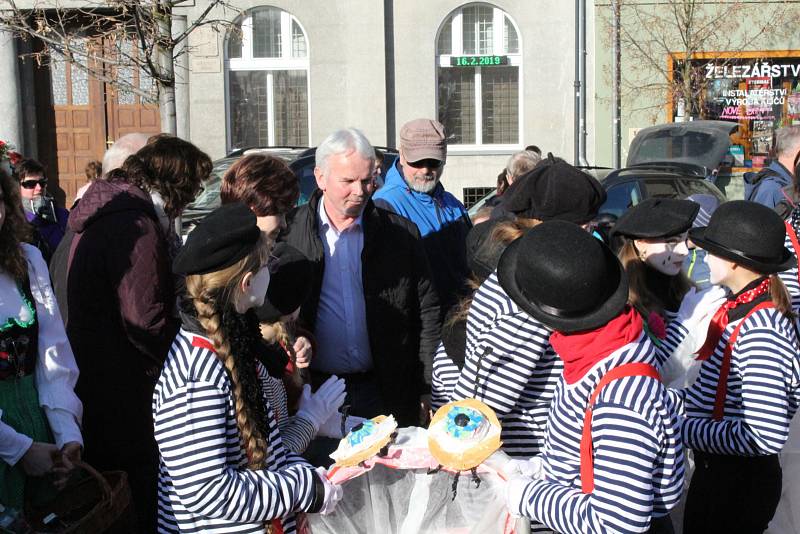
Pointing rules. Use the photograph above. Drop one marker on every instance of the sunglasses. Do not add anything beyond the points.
(426, 163)
(31, 184)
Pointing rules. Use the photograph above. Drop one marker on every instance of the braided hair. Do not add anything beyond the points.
(235, 337)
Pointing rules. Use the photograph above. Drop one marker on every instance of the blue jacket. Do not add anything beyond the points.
(443, 224)
(768, 189)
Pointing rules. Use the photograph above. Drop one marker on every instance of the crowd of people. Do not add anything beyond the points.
(623, 358)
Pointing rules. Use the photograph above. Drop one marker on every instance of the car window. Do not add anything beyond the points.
(678, 188)
(666, 146)
(620, 197)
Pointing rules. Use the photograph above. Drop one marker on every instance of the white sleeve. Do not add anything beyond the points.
(13, 445)
(56, 370)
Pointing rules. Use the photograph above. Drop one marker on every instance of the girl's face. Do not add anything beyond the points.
(253, 290)
(719, 269)
(664, 255)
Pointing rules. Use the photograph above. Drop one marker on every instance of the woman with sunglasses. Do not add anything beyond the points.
(48, 220)
(40, 435)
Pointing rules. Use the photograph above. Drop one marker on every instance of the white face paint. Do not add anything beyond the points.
(665, 256)
(254, 290)
(719, 269)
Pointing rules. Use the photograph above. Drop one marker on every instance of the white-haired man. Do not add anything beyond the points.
(373, 310)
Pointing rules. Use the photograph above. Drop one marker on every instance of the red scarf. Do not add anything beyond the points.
(720, 320)
(582, 351)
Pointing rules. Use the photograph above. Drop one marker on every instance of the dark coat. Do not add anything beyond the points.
(121, 300)
(402, 307)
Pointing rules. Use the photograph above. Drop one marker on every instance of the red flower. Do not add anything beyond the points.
(656, 325)
(14, 157)
(2, 143)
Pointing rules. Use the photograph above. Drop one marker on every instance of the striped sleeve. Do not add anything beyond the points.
(668, 346)
(190, 429)
(625, 452)
(445, 376)
(501, 362)
(759, 424)
(296, 433)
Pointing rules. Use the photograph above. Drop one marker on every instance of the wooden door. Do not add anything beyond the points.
(77, 127)
(126, 111)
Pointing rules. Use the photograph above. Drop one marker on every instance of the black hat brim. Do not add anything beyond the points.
(594, 319)
(787, 260)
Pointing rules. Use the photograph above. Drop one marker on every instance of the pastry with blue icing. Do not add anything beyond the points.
(364, 441)
(463, 434)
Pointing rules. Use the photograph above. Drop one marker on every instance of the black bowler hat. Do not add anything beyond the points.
(289, 283)
(483, 252)
(564, 277)
(225, 236)
(746, 233)
(555, 190)
(657, 217)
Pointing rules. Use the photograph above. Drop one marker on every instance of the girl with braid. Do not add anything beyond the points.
(223, 465)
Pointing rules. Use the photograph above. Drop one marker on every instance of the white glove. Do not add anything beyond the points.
(515, 488)
(333, 492)
(318, 407)
(530, 468)
(696, 305)
(332, 428)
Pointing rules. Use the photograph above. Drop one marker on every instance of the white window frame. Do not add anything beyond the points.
(249, 63)
(515, 59)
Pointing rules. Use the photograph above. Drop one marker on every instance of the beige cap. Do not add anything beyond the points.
(423, 139)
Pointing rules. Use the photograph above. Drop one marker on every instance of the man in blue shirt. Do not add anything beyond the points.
(771, 186)
(413, 190)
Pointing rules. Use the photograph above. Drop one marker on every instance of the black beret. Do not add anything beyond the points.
(225, 236)
(656, 217)
(289, 284)
(555, 190)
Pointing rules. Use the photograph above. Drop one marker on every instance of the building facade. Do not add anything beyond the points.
(498, 74)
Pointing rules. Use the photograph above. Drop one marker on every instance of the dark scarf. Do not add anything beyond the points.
(244, 337)
(660, 285)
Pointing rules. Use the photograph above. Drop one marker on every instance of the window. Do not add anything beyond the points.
(473, 195)
(479, 69)
(759, 90)
(267, 80)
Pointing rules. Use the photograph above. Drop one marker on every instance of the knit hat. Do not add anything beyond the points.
(564, 277)
(746, 233)
(289, 284)
(225, 236)
(555, 190)
(423, 139)
(656, 218)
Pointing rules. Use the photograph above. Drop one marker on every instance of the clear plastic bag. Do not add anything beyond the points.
(397, 494)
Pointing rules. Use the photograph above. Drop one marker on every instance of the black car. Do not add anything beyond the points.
(673, 160)
(300, 159)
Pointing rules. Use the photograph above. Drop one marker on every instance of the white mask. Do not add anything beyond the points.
(254, 291)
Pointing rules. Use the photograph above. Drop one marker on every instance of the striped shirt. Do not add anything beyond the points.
(296, 432)
(763, 390)
(445, 376)
(638, 455)
(510, 366)
(203, 484)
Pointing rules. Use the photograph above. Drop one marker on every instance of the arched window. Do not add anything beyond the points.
(478, 77)
(267, 80)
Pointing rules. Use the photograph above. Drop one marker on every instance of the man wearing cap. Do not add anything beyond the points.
(412, 190)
